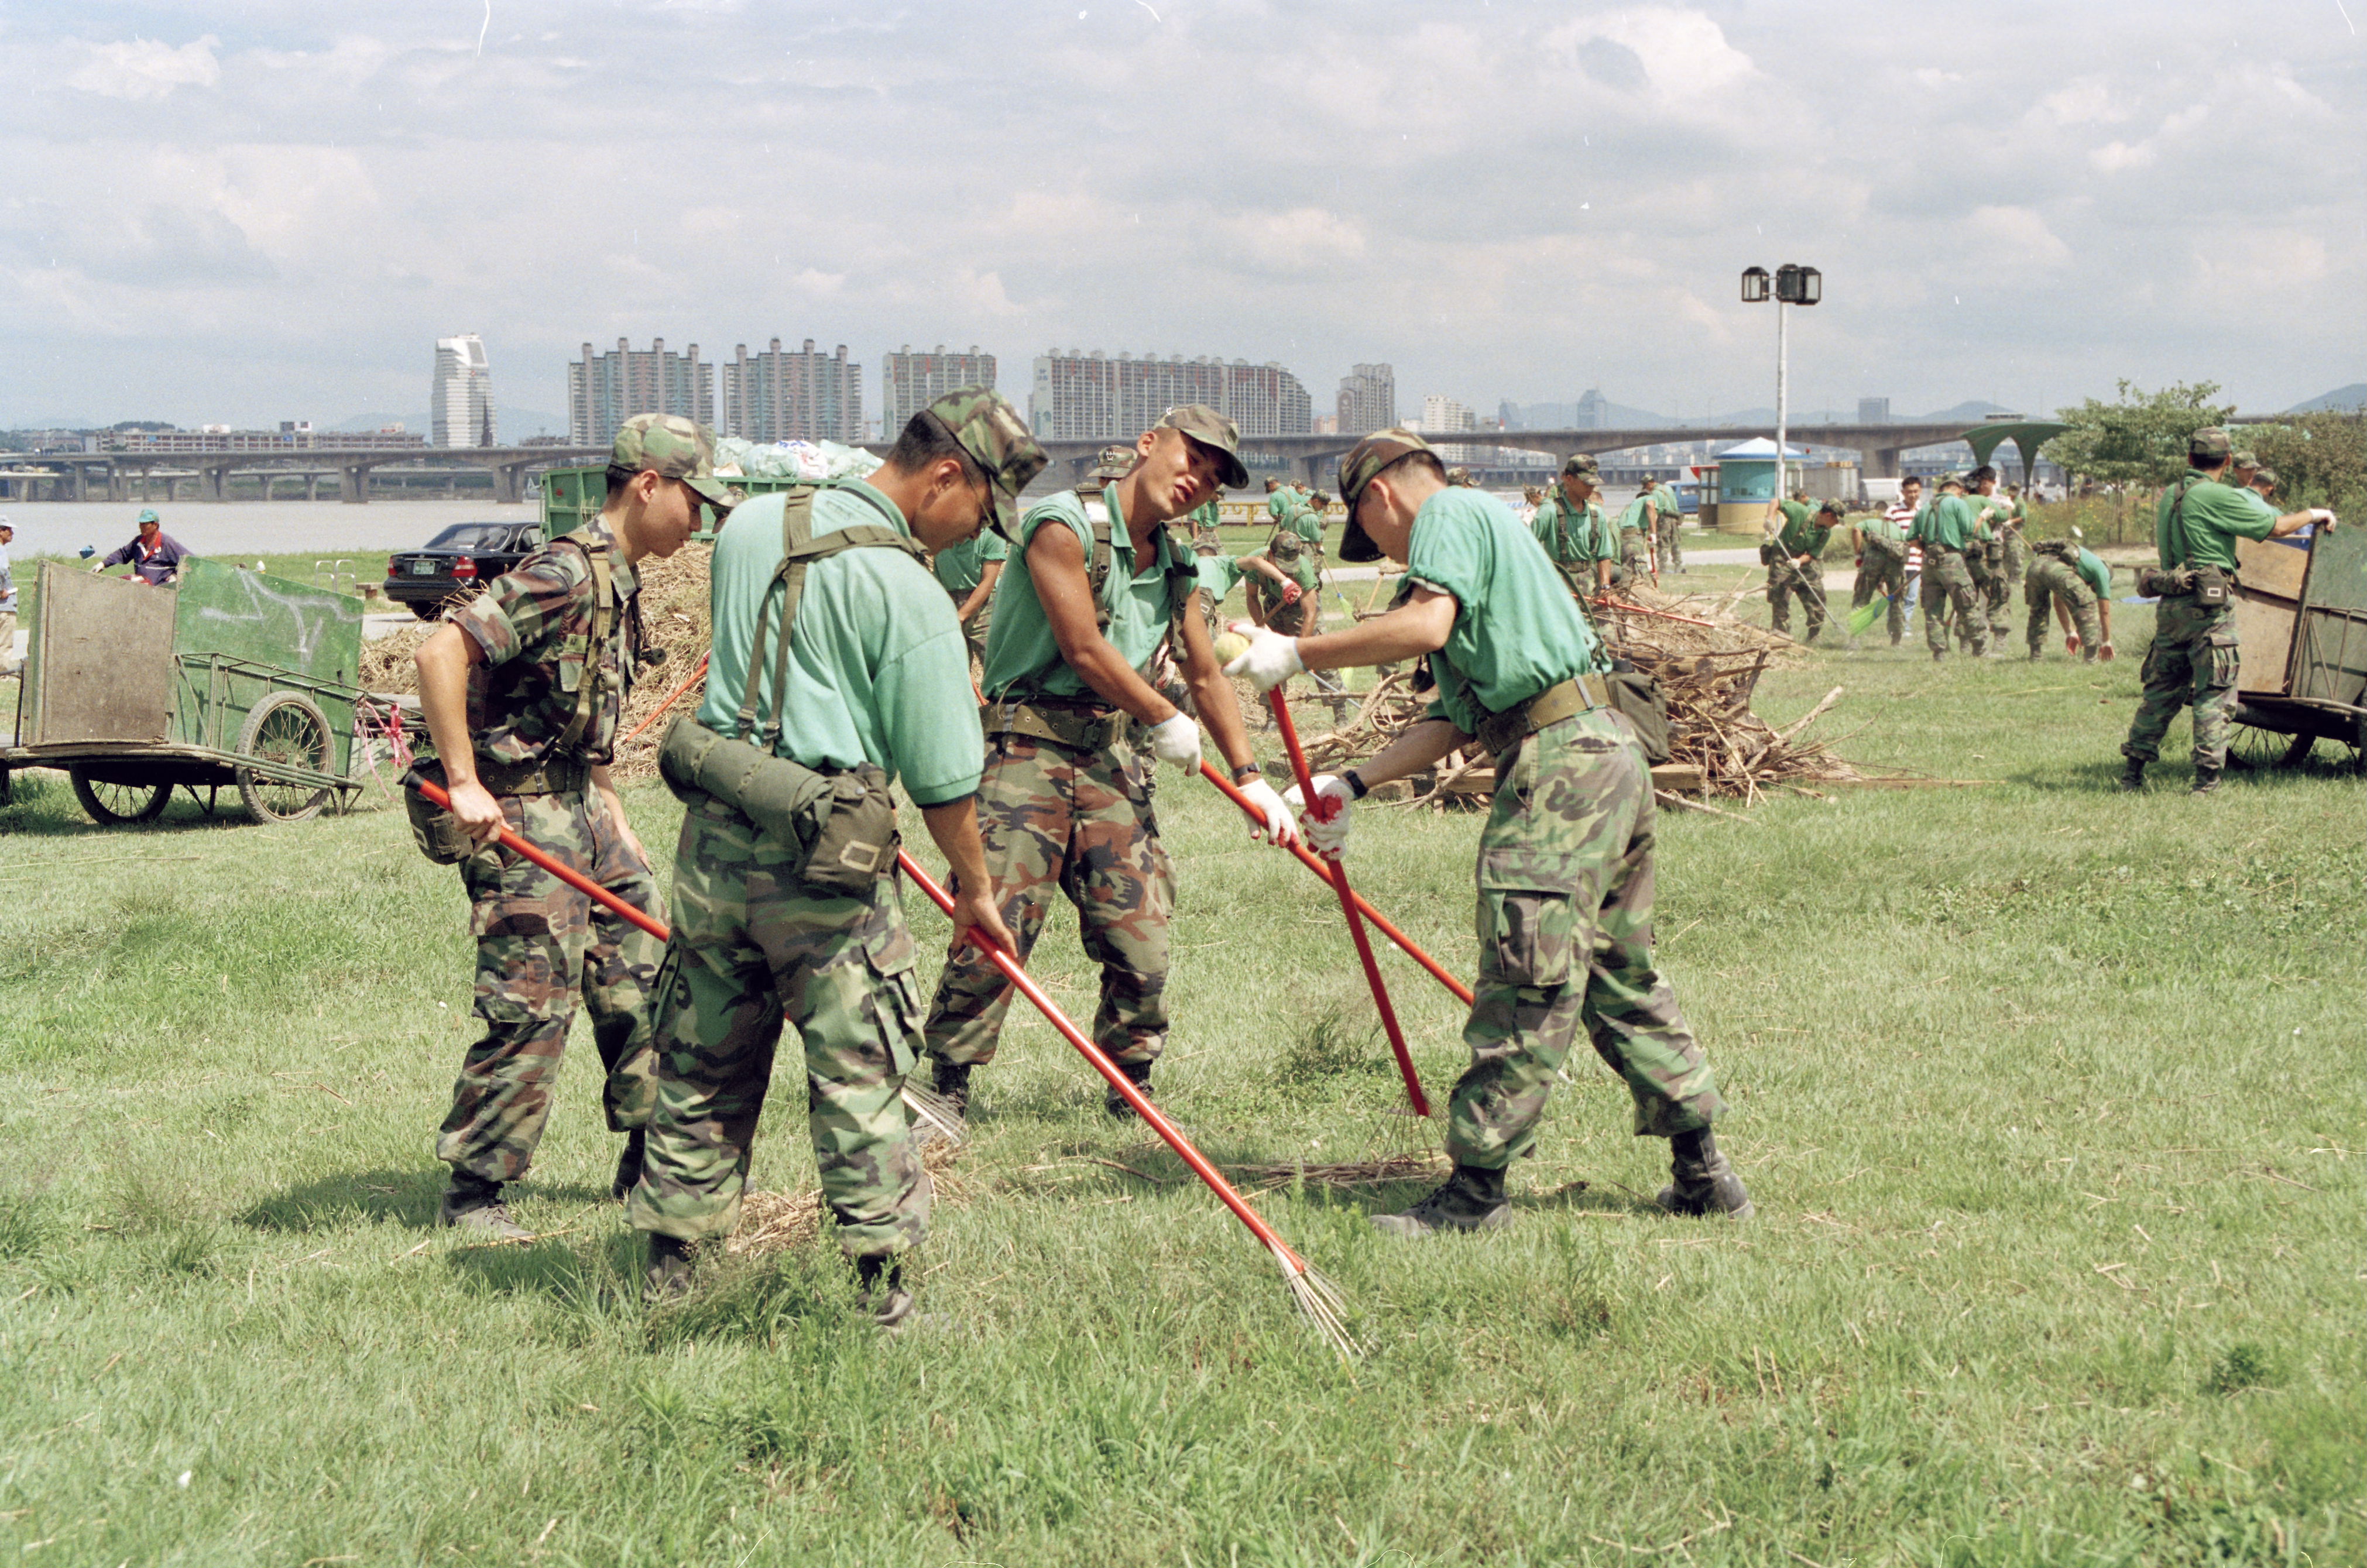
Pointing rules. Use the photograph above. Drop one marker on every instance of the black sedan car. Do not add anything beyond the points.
(457, 562)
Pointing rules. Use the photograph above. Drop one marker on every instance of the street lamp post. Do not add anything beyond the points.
(1794, 285)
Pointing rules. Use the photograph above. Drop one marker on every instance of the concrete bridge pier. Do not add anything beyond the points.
(353, 484)
(509, 483)
(313, 487)
(1879, 462)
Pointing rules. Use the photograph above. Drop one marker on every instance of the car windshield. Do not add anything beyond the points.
(473, 537)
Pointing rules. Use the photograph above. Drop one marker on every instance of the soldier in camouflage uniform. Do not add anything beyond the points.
(1881, 570)
(1096, 590)
(1795, 563)
(1950, 531)
(1575, 532)
(1667, 553)
(2075, 585)
(521, 692)
(1565, 865)
(2193, 660)
(2005, 558)
(868, 678)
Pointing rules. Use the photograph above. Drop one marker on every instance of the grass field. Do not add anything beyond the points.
(2050, 1100)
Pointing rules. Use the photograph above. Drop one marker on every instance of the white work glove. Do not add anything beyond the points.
(1272, 658)
(1279, 827)
(1330, 837)
(2322, 515)
(1177, 741)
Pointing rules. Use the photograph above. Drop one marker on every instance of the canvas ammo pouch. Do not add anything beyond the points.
(1636, 695)
(2164, 582)
(845, 822)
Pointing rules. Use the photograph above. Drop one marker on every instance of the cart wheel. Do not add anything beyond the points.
(117, 804)
(285, 728)
(2257, 749)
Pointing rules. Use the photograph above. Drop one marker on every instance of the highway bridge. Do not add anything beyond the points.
(127, 476)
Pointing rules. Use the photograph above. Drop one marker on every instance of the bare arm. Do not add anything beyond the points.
(2293, 523)
(1418, 625)
(953, 826)
(443, 662)
(981, 593)
(1410, 753)
(1056, 560)
(1212, 693)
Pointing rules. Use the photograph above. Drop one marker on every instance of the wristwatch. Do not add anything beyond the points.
(1357, 788)
(1246, 772)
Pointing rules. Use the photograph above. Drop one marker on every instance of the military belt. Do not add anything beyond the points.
(557, 775)
(1499, 732)
(1083, 728)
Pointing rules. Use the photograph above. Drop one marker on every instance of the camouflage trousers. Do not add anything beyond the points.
(1636, 551)
(540, 943)
(1565, 924)
(2010, 569)
(1785, 578)
(1665, 548)
(1883, 575)
(1080, 823)
(2048, 581)
(1948, 584)
(974, 630)
(754, 946)
(2193, 663)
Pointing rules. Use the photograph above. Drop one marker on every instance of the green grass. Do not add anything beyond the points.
(2050, 1100)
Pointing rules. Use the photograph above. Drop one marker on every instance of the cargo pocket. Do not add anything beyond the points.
(1527, 924)
(895, 995)
(2224, 659)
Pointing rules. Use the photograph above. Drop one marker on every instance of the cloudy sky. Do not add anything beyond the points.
(253, 211)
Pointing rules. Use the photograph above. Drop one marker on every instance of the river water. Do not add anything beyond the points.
(247, 527)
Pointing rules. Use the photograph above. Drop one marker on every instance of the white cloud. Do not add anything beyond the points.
(2015, 237)
(145, 69)
(1306, 239)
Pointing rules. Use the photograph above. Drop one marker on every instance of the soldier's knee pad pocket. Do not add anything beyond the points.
(1527, 924)
(2223, 654)
(895, 994)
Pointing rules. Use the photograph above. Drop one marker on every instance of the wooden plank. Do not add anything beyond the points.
(102, 660)
(1677, 778)
(2273, 566)
(2264, 630)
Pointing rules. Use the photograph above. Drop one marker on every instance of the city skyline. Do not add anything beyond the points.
(229, 216)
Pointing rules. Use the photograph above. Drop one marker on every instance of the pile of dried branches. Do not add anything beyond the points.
(674, 617)
(1709, 664)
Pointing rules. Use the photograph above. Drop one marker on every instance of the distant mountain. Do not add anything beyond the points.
(2345, 399)
(1619, 416)
(1977, 409)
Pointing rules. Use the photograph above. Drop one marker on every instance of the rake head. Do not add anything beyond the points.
(933, 1116)
(1320, 1300)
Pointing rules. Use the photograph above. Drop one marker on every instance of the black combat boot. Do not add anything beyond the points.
(668, 1278)
(2132, 781)
(474, 1204)
(1471, 1199)
(628, 1165)
(1705, 1183)
(885, 1300)
(1139, 1075)
(2206, 777)
(951, 1082)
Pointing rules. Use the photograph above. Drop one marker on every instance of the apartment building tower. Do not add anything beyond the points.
(793, 395)
(462, 396)
(605, 390)
(910, 382)
(1077, 396)
(1368, 400)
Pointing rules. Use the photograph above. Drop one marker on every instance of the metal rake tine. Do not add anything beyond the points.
(1321, 1301)
(935, 1109)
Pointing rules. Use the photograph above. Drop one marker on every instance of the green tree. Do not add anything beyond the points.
(2141, 438)
(2321, 460)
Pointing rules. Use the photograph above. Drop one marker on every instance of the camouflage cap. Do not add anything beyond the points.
(1364, 459)
(2209, 442)
(1458, 475)
(1113, 464)
(2261, 477)
(1583, 466)
(984, 424)
(1214, 431)
(2245, 459)
(1836, 505)
(673, 448)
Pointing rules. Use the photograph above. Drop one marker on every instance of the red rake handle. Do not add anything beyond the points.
(1324, 810)
(1151, 1114)
(1317, 864)
(672, 698)
(573, 878)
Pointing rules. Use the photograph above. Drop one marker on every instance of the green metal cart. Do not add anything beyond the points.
(230, 679)
(2301, 621)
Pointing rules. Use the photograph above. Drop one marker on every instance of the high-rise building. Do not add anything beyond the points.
(795, 395)
(1368, 400)
(1447, 415)
(910, 382)
(1086, 397)
(462, 397)
(1874, 410)
(1593, 412)
(604, 391)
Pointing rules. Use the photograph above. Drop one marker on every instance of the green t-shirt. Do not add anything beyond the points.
(1665, 501)
(959, 567)
(1801, 535)
(1281, 504)
(1204, 518)
(2100, 576)
(1218, 575)
(1948, 522)
(1516, 631)
(1879, 525)
(1639, 513)
(2214, 517)
(878, 668)
(1021, 650)
(1308, 525)
(1994, 510)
